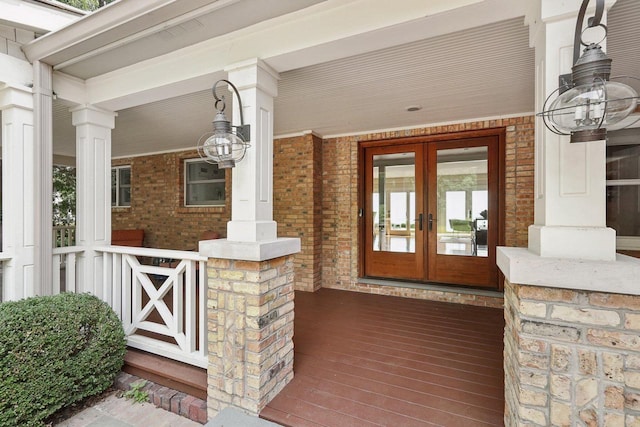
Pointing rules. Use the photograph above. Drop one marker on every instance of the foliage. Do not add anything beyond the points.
(136, 392)
(54, 351)
(64, 195)
(89, 5)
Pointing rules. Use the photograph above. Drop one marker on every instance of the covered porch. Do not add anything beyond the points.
(97, 102)
(364, 359)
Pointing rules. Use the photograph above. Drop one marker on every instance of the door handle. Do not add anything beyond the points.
(420, 222)
(430, 222)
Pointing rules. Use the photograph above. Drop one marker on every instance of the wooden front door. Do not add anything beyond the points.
(432, 209)
(394, 193)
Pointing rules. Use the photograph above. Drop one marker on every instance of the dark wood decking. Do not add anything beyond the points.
(363, 360)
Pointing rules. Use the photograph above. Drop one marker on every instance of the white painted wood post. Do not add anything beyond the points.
(570, 183)
(93, 204)
(43, 138)
(18, 192)
(252, 181)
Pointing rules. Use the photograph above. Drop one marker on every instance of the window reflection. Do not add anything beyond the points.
(394, 213)
(462, 186)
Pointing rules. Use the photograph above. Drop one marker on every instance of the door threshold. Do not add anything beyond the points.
(431, 286)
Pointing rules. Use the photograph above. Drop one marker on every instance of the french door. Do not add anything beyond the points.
(432, 210)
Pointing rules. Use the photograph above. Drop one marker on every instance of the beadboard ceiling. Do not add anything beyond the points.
(480, 72)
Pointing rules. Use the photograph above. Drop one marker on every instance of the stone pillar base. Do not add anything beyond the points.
(250, 327)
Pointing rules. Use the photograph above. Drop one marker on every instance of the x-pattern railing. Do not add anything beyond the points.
(162, 303)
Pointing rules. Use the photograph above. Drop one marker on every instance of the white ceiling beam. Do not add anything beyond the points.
(329, 22)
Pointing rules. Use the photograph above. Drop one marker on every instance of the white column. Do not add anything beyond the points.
(43, 136)
(252, 180)
(252, 232)
(93, 200)
(18, 192)
(570, 186)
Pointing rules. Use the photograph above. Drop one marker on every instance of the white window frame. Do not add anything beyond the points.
(631, 243)
(187, 182)
(117, 203)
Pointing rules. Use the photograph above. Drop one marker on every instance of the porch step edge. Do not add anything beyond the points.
(169, 373)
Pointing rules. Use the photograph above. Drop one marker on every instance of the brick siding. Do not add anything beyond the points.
(297, 207)
(157, 203)
(316, 199)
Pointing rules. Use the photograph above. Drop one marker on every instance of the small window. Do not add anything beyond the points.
(121, 186)
(623, 186)
(204, 184)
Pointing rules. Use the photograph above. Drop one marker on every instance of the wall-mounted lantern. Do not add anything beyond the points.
(225, 146)
(588, 103)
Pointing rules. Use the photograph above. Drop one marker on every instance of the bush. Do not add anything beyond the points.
(54, 351)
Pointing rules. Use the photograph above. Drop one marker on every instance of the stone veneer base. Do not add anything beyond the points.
(250, 330)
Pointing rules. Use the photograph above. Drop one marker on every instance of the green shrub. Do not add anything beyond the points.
(54, 351)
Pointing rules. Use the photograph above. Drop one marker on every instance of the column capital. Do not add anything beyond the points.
(90, 114)
(14, 96)
(254, 73)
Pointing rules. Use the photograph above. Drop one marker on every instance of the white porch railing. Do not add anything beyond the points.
(162, 306)
(64, 236)
(64, 269)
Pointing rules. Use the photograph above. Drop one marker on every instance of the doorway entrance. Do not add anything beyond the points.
(433, 208)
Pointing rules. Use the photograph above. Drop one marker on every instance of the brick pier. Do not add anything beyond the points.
(250, 324)
(572, 357)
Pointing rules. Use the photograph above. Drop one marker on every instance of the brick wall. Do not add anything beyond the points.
(315, 198)
(12, 38)
(340, 200)
(571, 357)
(297, 207)
(157, 205)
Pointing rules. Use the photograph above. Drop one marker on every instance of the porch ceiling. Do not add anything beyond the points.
(476, 72)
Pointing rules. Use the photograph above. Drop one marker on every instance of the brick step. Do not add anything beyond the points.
(166, 372)
(168, 399)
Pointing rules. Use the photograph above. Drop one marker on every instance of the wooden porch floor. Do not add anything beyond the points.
(365, 360)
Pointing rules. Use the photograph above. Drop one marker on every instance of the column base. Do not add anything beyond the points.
(252, 231)
(249, 251)
(590, 243)
(522, 266)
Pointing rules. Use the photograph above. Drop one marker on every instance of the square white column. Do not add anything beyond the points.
(570, 182)
(252, 178)
(252, 234)
(93, 200)
(18, 192)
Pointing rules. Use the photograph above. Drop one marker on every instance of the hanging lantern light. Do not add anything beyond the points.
(224, 146)
(588, 102)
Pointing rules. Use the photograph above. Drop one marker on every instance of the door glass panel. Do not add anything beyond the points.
(462, 201)
(394, 202)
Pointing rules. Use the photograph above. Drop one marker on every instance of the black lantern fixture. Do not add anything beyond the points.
(588, 103)
(223, 146)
